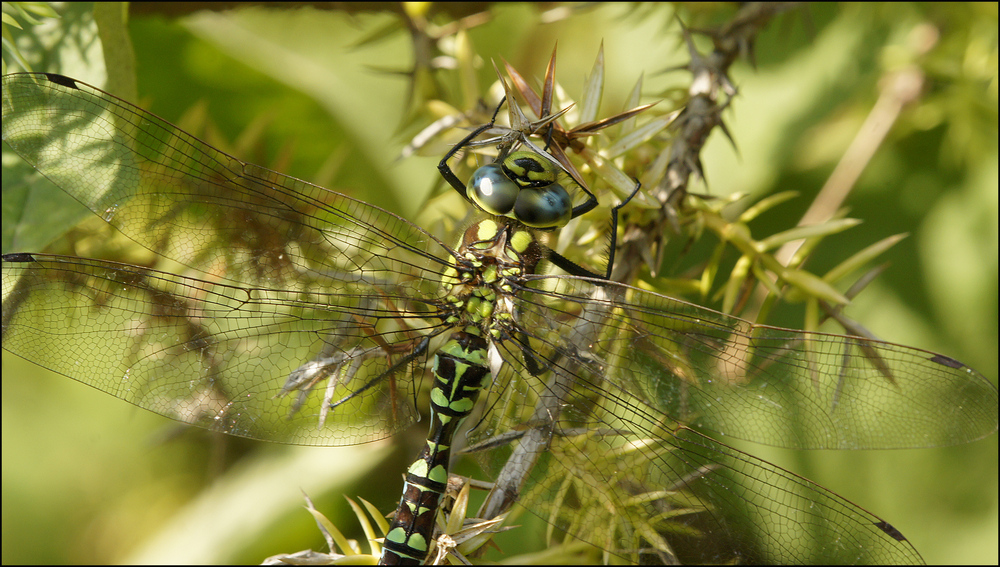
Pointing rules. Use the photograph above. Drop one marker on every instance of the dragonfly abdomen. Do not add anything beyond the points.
(460, 371)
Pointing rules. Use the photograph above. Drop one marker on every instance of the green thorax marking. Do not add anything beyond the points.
(496, 256)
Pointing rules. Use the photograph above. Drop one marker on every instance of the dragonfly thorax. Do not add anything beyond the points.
(494, 258)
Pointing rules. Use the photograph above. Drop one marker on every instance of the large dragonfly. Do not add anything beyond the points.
(295, 314)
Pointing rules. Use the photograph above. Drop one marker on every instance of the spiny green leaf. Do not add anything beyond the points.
(862, 257)
(366, 525)
(642, 134)
(735, 282)
(631, 102)
(593, 89)
(813, 285)
(766, 204)
(342, 543)
(805, 232)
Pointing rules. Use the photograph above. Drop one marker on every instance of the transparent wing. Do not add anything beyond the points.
(587, 426)
(291, 297)
(763, 384)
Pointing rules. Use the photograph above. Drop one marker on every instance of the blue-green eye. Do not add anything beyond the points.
(492, 191)
(523, 187)
(543, 207)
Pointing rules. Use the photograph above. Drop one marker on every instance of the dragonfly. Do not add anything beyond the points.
(295, 314)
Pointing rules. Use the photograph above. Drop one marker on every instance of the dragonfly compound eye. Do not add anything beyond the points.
(492, 191)
(544, 207)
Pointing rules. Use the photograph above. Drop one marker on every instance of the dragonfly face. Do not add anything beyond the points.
(312, 325)
(523, 187)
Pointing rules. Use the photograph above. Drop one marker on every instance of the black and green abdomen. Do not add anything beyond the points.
(460, 370)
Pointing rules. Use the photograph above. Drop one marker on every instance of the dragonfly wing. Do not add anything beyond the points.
(763, 384)
(290, 297)
(588, 419)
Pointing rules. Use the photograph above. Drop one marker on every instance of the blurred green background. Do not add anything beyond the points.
(89, 479)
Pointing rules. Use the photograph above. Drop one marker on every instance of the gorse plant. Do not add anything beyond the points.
(612, 461)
